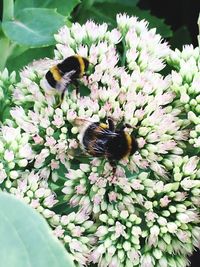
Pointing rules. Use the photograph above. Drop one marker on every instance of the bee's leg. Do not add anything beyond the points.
(126, 125)
(111, 124)
(113, 165)
(61, 99)
(75, 83)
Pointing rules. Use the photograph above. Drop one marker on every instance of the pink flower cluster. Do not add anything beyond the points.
(147, 213)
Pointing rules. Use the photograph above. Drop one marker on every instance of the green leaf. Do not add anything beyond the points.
(25, 238)
(63, 7)
(180, 37)
(34, 27)
(8, 9)
(18, 60)
(107, 12)
(125, 2)
(4, 51)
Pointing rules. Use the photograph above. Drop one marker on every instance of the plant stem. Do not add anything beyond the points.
(5, 51)
(6, 47)
(8, 10)
(124, 53)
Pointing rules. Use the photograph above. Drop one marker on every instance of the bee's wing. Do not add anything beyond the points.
(43, 64)
(107, 133)
(96, 147)
(86, 122)
(65, 80)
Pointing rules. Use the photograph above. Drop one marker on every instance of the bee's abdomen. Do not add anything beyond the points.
(93, 141)
(50, 79)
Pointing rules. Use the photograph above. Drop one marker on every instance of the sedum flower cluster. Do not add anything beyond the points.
(185, 83)
(147, 213)
(6, 90)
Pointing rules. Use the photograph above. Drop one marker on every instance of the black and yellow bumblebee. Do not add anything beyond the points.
(104, 140)
(67, 72)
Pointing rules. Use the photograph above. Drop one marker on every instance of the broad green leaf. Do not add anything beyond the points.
(18, 50)
(124, 2)
(4, 51)
(107, 12)
(180, 37)
(34, 27)
(18, 61)
(25, 238)
(63, 7)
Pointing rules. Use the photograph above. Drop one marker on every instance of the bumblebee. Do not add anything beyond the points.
(67, 72)
(104, 140)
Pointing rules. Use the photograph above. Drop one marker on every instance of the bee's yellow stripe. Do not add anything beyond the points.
(82, 64)
(56, 74)
(103, 125)
(129, 142)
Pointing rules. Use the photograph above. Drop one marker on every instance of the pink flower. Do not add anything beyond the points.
(74, 201)
(50, 141)
(81, 216)
(180, 196)
(3, 175)
(73, 144)
(37, 139)
(97, 199)
(191, 165)
(93, 177)
(114, 262)
(96, 254)
(119, 229)
(54, 164)
(133, 255)
(58, 121)
(136, 184)
(22, 185)
(164, 201)
(75, 245)
(150, 215)
(8, 155)
(183, 236)
(10, 134)
(35, 203)
(77, 231)
(155, 166)
(50, 201)
(80, 189)
(112, 196)
(101, 182)
(153, 237)
(59, 232)
(147, 261)
(26, 152)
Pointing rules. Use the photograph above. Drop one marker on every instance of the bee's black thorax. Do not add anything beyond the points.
(51, 80)
(69, 64)
(75, 64)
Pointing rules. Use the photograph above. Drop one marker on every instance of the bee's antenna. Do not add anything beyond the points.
(111, 124)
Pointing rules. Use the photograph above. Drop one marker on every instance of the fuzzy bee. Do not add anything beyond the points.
(61, 74)
(104, 140)
(67, 72)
